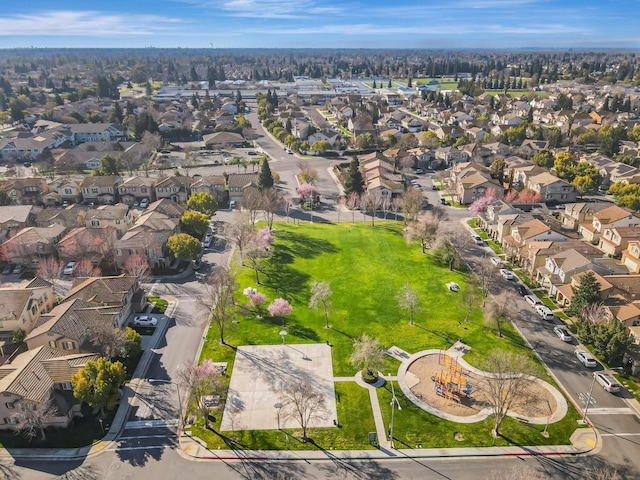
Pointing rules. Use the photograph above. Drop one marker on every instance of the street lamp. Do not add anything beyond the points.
(278, 406)
(394, 403)
(180, 421)
(283, 333)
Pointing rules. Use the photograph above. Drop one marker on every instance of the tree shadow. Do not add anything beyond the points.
(130, 449)
(8, 472)
(303, 332)
(286, 281)
(333, 329)
(83, 472)
(349, 468)
(450, 338)
(304, 246)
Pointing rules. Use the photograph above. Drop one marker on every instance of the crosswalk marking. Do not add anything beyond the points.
(619, 434)
(611, 411)
(150, 424)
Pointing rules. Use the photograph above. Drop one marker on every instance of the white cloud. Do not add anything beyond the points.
(283, 9)
(91, 23)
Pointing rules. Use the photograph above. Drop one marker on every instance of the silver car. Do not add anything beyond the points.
(145, 321)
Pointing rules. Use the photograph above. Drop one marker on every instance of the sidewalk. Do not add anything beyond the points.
(583, 441)
(108, 441)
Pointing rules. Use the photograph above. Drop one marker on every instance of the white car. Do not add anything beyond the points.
(586, 358)
(17, 269)
(545, 312)
(207, 241)
(608, 382)
(68, 268)
(563, 333)
(496, 261)
(532, 300)
(145, 321)
(144, 203)
(507, 274)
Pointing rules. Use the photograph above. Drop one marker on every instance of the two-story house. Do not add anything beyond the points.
(117, 216)
(575, 214)
(631, 256)
(71, 217)
(135, 189)
(214, 185)
(100, 189)
(25, 191)
(612, 216)
(559, 269)
(90, 243)
(552, 188)
(121, 291)
(524, 233)
(31, 244)
(176, 188)
(20, 307)
(16, 217)
(238, 183)
(614, 240)
(64, 191)
(98, 132)
(39, 377)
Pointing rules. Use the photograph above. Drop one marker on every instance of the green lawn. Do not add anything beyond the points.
(365, 267)
(160, 304)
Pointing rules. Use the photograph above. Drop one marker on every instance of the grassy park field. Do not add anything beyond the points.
(366, 267)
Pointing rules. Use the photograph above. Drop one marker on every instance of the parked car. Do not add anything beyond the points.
(608, 382)
(562, 333)
(477, 239)
(586, 358)
(545, 312)
(68, 268)
(532, 300)
(251, 153)
(17, 269)
(207, 241)
(144, 203)
(7, 269)
(496, 261)
(507, 274)
(232, 204)
(433, 187)
(145, 321)
(444, 201)
(419, 171)
(522, 290)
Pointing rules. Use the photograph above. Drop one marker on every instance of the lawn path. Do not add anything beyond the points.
(377, 415)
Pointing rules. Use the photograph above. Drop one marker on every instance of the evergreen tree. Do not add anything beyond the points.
(354, 179)
(265, 179)
(585, 294)
(117, 116)
(374, 84)
(389, 84)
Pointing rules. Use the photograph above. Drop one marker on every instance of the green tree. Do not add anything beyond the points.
(183, 246)
(498, 166)
(98, 383)
(132, 343)
(265, 179)
(111, 165)
(563, 165)
(354, 181)
(584, 294)
(18, 336)
(544, 158)
(194, 223)
(203, 202)
(116, 115)
(320, 146)
(585, 184)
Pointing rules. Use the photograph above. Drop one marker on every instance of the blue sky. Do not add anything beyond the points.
(321, 23)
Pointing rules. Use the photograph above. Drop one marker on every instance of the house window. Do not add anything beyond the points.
(117, 222)
(30, 406)
(66, 386)
(95, 223)
(11, 420)
(68, 345)
(94, 190)
(52, 343)
(10, 405)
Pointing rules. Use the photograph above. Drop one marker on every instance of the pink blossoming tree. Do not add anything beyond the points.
(280, 308)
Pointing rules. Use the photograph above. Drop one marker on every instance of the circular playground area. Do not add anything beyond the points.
(443, 384)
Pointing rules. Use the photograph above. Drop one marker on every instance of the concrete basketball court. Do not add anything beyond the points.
(260, 375)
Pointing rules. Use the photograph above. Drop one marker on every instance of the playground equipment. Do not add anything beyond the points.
(450, 382)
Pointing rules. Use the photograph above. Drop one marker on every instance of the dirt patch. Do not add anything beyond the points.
(537, 400)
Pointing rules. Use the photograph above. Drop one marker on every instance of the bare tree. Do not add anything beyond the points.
(320, 294)
(50, 268)
(153, 142)
(219, 299)
(33, 419)
(486, 274)
(411, 204)
(18, 249)
(258, 250)
(340, 201)
(595, 313)
(200, 381)
(353, 204)
(240, 231)
(423, 229)
(108, 341)
(304, 404)
(602, 473)
(84, 268)
(307, 173)
(137, 266)
(367, 356)
(502, 308)
(506, 388)
(272, 202)
(409, 301)
(370, 203)
(450, 239)
(252, 203)
(468, 301)
(396, 206)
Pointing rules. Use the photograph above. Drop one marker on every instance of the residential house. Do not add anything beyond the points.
(612, 216)
(536, 253)
(615, 240)
(214, 185)
(121, 291)
(324, 136)
(100, 189)
(471, 181)
(31, 244)
(135, 189)
(64, 191)
(552, 188)
(71, 217)
(117, 216)
(559, 269)
(21, 306)
(631, 256)
(91, 243)
(25, 191)
(220, 139)
(148, 236)
(239, 183)
(98, 132)
(38, 377)
(575, 214)
(28, 145)
(176, 188)
(15, 217)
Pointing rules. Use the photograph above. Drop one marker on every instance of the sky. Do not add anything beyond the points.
(420, 24)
